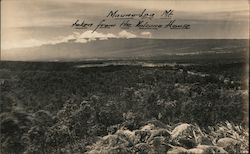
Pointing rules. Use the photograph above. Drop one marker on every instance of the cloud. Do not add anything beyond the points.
(81, 41)
(146, 34)
(22, 44)
(93, 35)
(62, 39)
(88, 36)
(84, 37)
(125, 34)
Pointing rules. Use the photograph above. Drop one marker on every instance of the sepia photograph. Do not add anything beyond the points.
(124, 77)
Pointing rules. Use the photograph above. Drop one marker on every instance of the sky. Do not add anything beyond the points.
(27, 23)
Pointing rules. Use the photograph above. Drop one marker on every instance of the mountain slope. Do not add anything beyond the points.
(124, 48)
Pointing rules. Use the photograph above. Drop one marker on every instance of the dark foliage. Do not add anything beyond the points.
(58, 108)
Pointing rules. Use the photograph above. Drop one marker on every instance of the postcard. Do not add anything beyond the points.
(124, 76)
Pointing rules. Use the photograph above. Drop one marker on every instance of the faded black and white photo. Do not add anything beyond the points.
(124, 76)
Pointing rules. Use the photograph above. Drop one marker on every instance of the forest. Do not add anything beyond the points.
(56, 107)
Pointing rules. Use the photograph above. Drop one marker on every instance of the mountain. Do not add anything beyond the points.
(115, 48)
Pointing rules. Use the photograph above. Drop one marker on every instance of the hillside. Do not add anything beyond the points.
(130, 49)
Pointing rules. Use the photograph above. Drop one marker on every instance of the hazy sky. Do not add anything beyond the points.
(35, 22)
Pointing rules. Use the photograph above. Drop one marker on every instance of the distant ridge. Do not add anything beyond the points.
(126, 49)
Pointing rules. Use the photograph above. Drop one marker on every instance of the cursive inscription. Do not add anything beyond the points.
(143, 19)
(142, 15)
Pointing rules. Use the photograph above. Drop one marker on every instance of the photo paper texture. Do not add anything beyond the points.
(123, 76)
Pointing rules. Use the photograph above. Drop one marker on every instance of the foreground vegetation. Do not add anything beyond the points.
(58, 108)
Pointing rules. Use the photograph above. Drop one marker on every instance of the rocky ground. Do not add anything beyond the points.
(158, 138)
